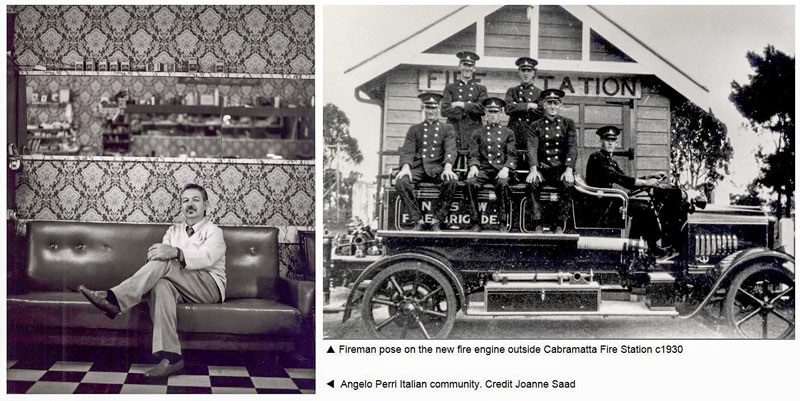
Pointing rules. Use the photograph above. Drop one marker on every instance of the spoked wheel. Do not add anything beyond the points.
(760, 303)
(409, 300)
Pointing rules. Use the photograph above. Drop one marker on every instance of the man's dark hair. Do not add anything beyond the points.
(202, 190)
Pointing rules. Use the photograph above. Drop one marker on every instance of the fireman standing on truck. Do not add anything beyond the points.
(522, 105)
(552, 153)
(427, 155)
(492, 155)
(462, 99)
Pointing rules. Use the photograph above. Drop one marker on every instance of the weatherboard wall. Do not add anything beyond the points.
(648, 118)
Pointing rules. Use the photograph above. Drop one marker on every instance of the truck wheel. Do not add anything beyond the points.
(409, 300)
(760, 303)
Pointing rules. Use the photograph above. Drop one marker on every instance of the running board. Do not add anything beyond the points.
(606, 308)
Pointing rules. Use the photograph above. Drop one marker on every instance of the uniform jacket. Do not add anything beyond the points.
(429, 145)
(553, 143)
(467, 119)
(519, 117)
(602, 171)
(205, 249)
(493, 147)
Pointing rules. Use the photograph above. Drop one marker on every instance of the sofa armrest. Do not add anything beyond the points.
(297, 293)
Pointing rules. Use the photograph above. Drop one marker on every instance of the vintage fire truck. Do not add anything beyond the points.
(727, 265)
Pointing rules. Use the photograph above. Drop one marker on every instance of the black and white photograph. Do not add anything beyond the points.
(558, 172)
(160, 199)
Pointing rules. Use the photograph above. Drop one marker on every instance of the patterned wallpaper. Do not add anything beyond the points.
(248, 39)
(264, 193)
(86, 91)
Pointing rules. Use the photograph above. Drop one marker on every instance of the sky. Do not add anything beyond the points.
(707, 42)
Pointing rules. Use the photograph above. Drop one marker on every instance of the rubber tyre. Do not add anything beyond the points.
(412, 316)
(740, 307)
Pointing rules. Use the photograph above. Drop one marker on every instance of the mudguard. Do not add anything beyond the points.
(727, 268)
(377, 266)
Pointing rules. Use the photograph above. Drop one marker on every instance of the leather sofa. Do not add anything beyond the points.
(262, 310)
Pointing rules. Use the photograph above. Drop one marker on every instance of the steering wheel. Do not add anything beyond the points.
(661, 179)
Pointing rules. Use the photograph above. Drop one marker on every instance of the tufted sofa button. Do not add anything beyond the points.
(81, 247)
(106, 247)
(252, 251)
(53, 246)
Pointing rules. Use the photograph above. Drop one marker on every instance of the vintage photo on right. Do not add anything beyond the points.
(558, 172)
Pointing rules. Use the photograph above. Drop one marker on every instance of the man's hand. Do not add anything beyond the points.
(503, 174)
(162, 252)
(448, 173)
(534, 177)
(473, 171)
(533, 106)
(650, 182)
(405, 170)
(458, 104)
(567, 177)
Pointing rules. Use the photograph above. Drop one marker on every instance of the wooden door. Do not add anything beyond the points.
(589, 115)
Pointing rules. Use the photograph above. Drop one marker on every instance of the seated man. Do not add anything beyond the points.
(491, 155)
(187, 266)
(427, 155)
(602, 171)
(552, 152)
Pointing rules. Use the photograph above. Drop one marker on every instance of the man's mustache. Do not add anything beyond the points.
(190, 208)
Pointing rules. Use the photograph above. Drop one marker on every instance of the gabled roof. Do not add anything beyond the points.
(411, 51)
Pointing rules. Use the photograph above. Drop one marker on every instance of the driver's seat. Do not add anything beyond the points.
(598, 208)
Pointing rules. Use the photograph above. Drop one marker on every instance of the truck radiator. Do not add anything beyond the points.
(707, 245)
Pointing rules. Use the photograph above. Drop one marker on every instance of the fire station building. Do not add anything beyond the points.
(609, 76)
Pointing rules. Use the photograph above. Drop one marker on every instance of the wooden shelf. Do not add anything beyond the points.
(220, 111)
(48, 104)
(166, 74)
(48, 129)
(49, 137)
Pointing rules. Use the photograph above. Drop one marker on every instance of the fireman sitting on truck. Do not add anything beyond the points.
(427, 155)
(552, 153)
(602, 171)
(492, 155)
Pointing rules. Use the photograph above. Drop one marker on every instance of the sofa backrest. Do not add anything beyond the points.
(62, 255)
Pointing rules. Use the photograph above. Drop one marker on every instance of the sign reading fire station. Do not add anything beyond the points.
(577, 84)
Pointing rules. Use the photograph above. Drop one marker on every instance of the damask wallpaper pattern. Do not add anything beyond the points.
(145, 190)
(86, 92)
(263, 39)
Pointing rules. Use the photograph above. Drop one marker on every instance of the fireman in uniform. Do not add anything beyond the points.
(552, 153)
(602, 171)
(427, 155)
(492, 155)
(522, 104)
(462, 101)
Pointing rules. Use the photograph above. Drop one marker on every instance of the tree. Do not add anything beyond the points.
(340, 148)
(336, 130)
(767, 102)
(700, 149)
(751, 198)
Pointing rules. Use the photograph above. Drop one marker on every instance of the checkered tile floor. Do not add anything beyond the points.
(118, 371)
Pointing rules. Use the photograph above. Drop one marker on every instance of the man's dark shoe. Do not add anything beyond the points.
(419, 226)
(100, 301)
(164, 369)
(475, 228)
(436, 225)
